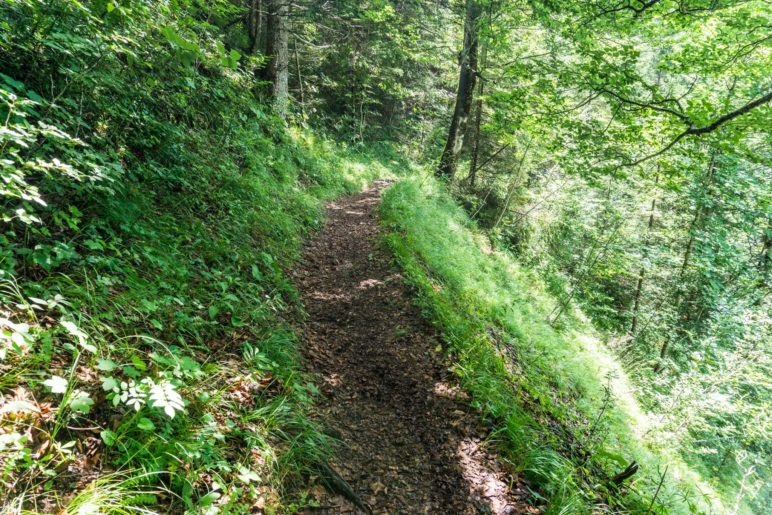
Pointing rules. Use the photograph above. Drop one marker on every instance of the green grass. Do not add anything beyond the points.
(565, 413)
(147, 354)
(185, 285)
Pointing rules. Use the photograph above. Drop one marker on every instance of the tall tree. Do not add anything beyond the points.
(278, 53)
(267, 27)
(642, 273)
(254, 24)
(478, 118)
(465, 94)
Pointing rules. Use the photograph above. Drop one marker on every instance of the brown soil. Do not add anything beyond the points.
(408, 440)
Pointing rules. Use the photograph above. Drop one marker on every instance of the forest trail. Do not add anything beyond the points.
(408, 440)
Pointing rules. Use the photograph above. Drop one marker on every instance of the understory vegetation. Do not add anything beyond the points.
(563, 406)
(582, 204)
(150, 212)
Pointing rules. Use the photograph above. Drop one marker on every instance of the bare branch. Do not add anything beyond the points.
(654, 106)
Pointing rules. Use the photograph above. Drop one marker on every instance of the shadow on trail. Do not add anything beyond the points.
(409, 443)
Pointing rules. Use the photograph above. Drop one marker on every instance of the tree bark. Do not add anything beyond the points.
(512, 187)
(278, 54)
(765, 258)
(476, 142)
(465, 94)
(300, 80)
(698, 214)
(254, 25)
(478, 114)
(662, 354)
(642, 273)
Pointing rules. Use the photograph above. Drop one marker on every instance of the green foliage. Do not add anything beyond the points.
(385, 76)
(150, 208)
(626, 160)
(151, 205)
(564, 408)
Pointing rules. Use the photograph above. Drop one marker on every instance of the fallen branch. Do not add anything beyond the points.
(337, 484)
(623, 476)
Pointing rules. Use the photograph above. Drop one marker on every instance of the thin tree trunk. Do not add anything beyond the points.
(478, 114)
(512, 186)
(352, 74)
(476, 142)
(587, 267)
(690, 243)
(637, 302)
(278, 51)
(464, 96)
(254, 25)
(300, 80)
(765, 258)
(697, 217)
(662, 353)
(642, 273)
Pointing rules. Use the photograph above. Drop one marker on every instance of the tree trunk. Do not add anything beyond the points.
(278, 53)
(662, 354)
(464, 96)
(254, 25)
(642, 273)
(512, 187)
(478, 115)
(765, 257)
(476, 142)
(697, 216)
(300, 81)
(637, 301)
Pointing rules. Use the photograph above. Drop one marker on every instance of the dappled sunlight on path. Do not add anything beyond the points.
(408, 441)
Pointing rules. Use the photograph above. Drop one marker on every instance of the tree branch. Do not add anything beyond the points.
(628, 6)
(730, 116)
(652, 105)
(698, 131)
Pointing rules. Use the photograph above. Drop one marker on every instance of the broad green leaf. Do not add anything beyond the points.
(108, 437)
(145, 424)
(81, 402)
(109, 383)
(106, 365)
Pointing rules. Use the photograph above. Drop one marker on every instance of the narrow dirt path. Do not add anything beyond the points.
(409, 443)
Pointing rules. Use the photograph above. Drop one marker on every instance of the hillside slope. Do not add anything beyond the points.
(563, 408)
(150, 207)
(161, 170)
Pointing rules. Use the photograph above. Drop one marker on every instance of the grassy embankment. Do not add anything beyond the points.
(564, 412)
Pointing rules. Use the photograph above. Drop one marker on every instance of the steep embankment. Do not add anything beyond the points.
(408, 440)
(149, 205)
(564, 411)
(144, 353)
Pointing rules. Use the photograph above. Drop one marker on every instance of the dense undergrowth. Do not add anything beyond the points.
(151, 207)
(565, 412)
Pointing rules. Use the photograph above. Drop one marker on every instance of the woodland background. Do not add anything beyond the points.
(161, 162)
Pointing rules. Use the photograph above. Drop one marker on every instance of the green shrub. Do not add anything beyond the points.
(150, 208)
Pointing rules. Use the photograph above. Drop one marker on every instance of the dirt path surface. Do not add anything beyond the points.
(409, 443)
